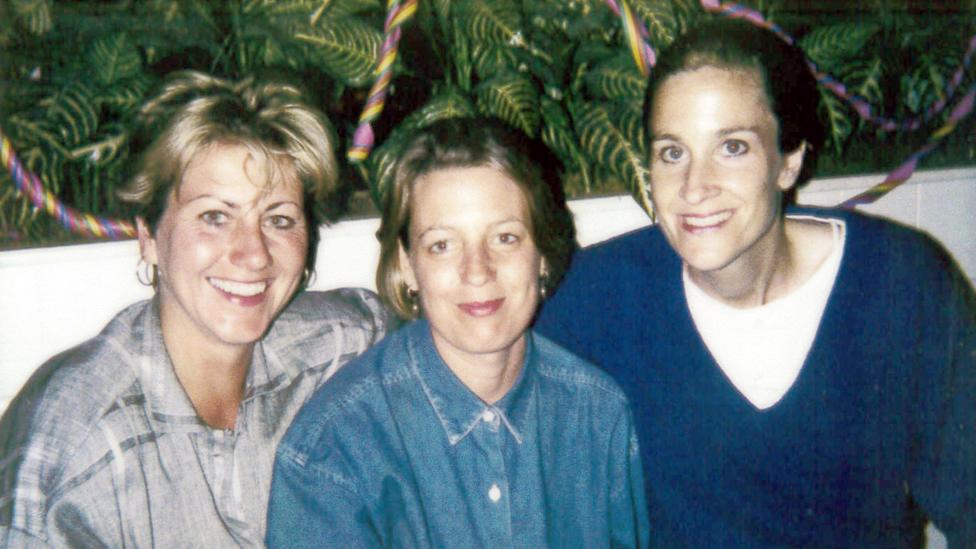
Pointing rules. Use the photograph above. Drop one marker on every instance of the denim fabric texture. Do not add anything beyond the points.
(396, 452)
(103, 448)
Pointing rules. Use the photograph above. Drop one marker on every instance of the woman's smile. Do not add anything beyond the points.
(705, 223)
(482, 308)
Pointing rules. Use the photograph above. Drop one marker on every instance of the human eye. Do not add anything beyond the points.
(507, 239)
(279, 221)
(670, 154)
(734, 147)
(214, 218)
(439, 247)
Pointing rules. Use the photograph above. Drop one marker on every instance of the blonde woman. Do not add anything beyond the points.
(160, 431)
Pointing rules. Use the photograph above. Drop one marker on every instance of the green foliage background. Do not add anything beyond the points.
(72, 73)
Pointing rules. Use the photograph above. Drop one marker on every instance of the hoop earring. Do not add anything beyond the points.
(414, 298)
(308, 277)
(146, 273)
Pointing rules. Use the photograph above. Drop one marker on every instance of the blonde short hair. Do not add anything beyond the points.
(192, 111)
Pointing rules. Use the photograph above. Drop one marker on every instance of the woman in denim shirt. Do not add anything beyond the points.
(464, 429)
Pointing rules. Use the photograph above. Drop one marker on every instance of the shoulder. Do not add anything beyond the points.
(883, 258)
(80, 383)
(871, 236)
(629, 261)
(632, 247)
(323, 326)
(51, 422)
(356, 308)
(352, 404)
(559, 366)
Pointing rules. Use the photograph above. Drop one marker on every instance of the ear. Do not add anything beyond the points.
(406, 268)
(792, 163)
(147, 243)
(543, 268)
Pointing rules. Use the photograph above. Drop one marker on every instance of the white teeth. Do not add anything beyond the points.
(709, 220)
(243, 289)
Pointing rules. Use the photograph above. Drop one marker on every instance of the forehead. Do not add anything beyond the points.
(237, 169)
(459, 193)
(711, 96)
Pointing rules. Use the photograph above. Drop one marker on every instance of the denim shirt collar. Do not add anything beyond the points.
(457, 407)
(169, 407)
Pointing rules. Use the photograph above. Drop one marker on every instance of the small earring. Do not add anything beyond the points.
(308, 277)
(414, 298)
(146, 273)
(544, 283)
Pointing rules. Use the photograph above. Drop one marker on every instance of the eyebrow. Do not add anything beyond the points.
(236, 206)
(723, 132)
(450, 228)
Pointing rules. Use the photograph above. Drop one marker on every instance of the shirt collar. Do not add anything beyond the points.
(169, 407)
(457, 407)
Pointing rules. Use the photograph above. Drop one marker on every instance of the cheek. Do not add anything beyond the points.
(185, 248)
(291, 250)
(434, 278)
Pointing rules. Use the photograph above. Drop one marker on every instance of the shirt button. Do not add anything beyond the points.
(494, 493)
(488, 416)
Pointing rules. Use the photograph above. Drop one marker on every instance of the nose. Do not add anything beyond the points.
(249, 246)
(699, 184)
(477, 268)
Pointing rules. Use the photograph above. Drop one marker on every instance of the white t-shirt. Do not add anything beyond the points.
(762, 349)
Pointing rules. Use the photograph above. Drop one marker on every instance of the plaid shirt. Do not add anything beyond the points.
(103, 448)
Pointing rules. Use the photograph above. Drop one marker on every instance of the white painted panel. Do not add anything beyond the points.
(54, 298)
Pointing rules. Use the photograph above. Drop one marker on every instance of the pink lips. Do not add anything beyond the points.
(482, 308)
(699, 224)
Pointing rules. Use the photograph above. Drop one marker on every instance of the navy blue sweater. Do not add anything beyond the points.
(877, 434)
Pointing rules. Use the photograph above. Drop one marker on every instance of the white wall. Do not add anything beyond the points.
(54, 298)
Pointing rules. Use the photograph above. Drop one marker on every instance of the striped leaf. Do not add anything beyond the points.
(491, 59)
(492, 21)
(926, 82)
(659, 20)
(513, 98)
(557, 130)
(36, 14)
(868, 74)
(312, 10)
(113, 58)
(611, 149)
(628, 118)
(450, 103)
(838, 123)
(126, 95)
(557, 134)
(615, 78)
(74, 112)
(346, 48)
(828, 45)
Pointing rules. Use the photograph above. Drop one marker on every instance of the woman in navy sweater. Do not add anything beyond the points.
(800, 377)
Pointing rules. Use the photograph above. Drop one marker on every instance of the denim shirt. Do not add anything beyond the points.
(103, 448)
(396, 452)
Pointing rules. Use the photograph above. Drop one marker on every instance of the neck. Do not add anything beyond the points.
(212, 375)
(761, 276)
(488, 375)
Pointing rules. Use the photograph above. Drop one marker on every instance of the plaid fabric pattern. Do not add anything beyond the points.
(103, 448)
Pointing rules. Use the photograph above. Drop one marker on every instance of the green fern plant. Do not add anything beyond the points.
(72, 73)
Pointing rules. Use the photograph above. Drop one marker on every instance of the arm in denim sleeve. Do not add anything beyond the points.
(944, 483)
(313, 506)
(628, 506)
